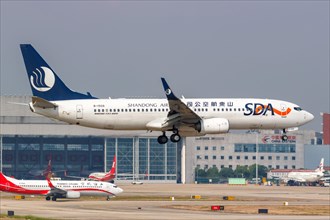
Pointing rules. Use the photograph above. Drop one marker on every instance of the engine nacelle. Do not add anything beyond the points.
(212, 126)
(73, 195)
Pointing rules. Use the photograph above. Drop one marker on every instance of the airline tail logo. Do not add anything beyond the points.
(42, 79)
(321, 165)
(320, 168)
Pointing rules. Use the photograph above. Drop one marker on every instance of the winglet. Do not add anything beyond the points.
(169, 93)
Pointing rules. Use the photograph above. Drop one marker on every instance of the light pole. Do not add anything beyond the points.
(196, 170)
(257, 150)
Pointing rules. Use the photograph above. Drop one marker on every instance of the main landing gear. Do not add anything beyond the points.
(175, 137)
(284, 136)
(53, 198)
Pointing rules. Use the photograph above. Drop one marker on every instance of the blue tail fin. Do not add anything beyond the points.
(44, 81)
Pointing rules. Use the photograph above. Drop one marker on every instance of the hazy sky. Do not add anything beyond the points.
(262, 49)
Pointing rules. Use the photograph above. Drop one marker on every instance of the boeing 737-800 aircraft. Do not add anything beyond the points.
(186, 117)
(58, 188)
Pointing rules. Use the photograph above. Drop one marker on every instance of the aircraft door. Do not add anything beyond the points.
(79, 112)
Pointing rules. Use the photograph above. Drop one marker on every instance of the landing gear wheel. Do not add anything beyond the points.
(54, 198)
(284, 138)
(175, 137)
(162, 139)
(47, 198)
(108, 198)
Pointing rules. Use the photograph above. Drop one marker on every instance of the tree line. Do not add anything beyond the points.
(225, 173)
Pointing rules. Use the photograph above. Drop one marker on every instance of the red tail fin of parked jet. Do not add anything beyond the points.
(105, 176)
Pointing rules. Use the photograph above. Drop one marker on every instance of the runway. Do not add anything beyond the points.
(153, 201)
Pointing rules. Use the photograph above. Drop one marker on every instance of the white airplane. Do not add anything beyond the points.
(186, 117)
(306, 176)
(102, 176)
(58, 188)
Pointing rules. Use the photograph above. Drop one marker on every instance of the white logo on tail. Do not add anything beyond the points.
(168, 91)
(42, 79)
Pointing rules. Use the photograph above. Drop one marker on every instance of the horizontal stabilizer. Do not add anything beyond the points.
(17, 103)
(42, 103)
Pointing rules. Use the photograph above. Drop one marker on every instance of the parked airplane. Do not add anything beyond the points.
(48, 172)
(58, 188)
(306, 176)
(43, 173)
(101, 176)
(186, 117)
(105, 176)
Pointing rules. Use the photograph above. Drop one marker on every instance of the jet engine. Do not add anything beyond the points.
(212, 126)
(73, 195)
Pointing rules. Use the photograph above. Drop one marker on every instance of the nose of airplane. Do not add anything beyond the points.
(308, 116)
(119, 190)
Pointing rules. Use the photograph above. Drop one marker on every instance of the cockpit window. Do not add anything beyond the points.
(298, 109)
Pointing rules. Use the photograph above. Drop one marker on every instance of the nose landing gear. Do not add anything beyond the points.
(284, 136)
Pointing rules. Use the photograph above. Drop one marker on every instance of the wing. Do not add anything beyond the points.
(54, 191)
(298, 179)
(179, 112)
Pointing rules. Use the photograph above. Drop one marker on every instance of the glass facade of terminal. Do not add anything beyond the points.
(142, 158)
(27, 156)
(137, 158)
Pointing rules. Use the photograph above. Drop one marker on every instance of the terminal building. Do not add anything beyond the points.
(29, 141)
